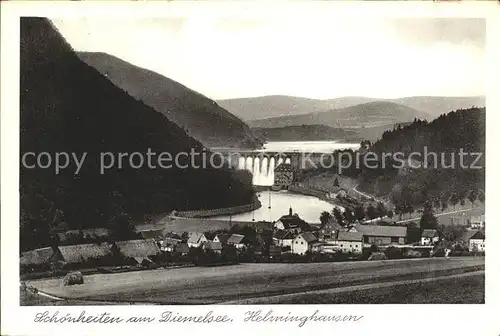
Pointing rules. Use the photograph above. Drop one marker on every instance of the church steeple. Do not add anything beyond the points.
(290, 211)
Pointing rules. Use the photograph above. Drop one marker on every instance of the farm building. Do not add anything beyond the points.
(236, 240)
(212, 246)
(380, 235)
(74, 254)
(152, 234)
(37, 257)
(350, 242)
(283, 238)
(139, 250)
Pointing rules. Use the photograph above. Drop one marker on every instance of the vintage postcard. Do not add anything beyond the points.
(227, 164)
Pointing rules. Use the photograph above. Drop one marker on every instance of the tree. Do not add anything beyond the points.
(371, 212)
(480, 196)
(338, 216)
(381, 210)
(390, 214)
(349, 216)
(454, 200)
(325, 217)
(428, 220)
(462, 201)
(359, 212)
(473, 196)
(336, 182)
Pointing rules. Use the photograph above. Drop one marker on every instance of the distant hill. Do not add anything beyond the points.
(435, 106)
(276, 106)
(371, 114)
(68, 106)
(200, 116)
(306, 133)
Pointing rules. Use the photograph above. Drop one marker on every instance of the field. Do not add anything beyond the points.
(209, 285)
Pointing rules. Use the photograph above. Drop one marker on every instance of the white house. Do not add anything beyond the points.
(474, 240)
(350, 242)
(306, 241)
(429, 237)
(196, 239)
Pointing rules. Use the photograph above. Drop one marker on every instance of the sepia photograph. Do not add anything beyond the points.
(251, 160)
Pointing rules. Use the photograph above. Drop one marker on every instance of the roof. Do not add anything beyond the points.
(284, 167)
(148, 234)
(283, 235)
(170, 242)
(171, 235)
(293, 221)
(331, 224)
(235, 239)
(223, 237)
(308, 237)
(36, 257)
(472, 234)
(194, 237)
(84, 252)
(141, 248)
(429, 233)
(381, 231)
(350, 236)
(210, 245)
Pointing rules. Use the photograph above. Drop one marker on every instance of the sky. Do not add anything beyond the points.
(310, 57)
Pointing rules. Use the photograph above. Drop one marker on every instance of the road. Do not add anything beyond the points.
(202, 285)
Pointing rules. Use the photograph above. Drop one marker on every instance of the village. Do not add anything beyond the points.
(288, 239)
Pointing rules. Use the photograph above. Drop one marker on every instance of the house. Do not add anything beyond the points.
(236, 240)
(37, 257)
(380, 235)
(283, 176)
(292, 223)
(477, 222)
(474, 240)
(212, 246)
(169, 244)
(283, 238)
(139, 250)
(221, 238)
(429, 237)
(350, 242)
(74, 254)
(306, 241)
(329, 230)
(196, 239)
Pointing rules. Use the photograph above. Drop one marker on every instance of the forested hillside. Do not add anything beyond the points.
(443, 177)
(68, 106)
